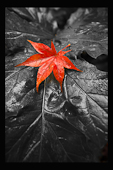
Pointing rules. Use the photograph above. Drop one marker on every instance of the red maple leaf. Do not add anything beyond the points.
(49, 60)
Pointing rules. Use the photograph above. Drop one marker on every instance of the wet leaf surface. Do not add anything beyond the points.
(51, 126)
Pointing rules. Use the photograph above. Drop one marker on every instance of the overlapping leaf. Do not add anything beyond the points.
(49, 60)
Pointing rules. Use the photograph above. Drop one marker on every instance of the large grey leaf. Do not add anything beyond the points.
(57, 127)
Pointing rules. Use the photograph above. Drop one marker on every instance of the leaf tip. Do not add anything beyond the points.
(80, 70)
(16, 65)
(29, 41)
